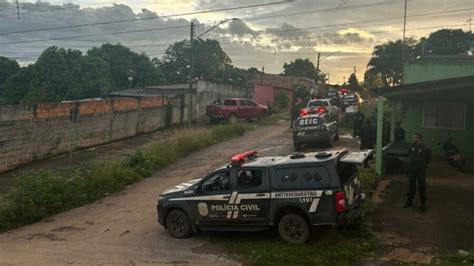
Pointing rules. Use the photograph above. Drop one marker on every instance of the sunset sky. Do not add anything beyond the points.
(343, 31)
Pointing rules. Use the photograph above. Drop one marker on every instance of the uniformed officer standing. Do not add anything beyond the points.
(358, 123)
(419, 158)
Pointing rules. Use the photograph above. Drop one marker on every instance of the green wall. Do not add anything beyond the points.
(412, 122)
(425, 71)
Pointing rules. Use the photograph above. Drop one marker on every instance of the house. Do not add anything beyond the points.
(266, 86)
(435, 99)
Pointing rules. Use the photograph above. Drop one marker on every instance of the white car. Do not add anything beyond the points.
(325, 104)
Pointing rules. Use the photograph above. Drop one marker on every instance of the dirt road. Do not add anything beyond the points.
(123, 228)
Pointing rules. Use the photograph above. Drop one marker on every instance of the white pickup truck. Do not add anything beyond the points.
(324, 105)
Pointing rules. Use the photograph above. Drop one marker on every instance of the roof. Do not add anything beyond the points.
(288, 160)
(426, 86)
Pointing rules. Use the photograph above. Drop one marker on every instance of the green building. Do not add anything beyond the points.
(435, 99)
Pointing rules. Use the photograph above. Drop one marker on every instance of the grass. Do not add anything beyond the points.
(38, 195)
(459, 258)
(328, 246)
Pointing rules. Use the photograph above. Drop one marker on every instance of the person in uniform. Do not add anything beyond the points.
(399, 133)
(358, 123)
(367, 139)
(294, 113)
(419, 157)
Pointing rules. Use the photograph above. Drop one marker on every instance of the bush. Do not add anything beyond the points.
(42, 194)
(282, 100)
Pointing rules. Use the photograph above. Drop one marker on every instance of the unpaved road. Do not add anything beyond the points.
(122, 229)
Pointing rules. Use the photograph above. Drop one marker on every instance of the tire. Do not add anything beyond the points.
(294, 229)
(178, 225)
(232, 119)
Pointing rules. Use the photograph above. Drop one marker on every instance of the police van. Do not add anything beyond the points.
(315, 128)
(253, 193)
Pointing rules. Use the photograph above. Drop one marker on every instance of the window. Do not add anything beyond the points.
(318, 103)
(444, 115)
(230, 103)
(306, 177)
(346, 171)
(247, 103)
(217, 182)
(249, 179)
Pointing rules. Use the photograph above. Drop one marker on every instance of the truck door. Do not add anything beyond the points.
(251, 196)
(245, 109)
(213, 203)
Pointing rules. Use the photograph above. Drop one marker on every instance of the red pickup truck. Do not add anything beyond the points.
(236, 108)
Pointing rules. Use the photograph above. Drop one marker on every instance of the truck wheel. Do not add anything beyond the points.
(178, 225)
(232, 119)
(294, 229)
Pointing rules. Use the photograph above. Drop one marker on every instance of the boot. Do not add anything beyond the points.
(423, 206)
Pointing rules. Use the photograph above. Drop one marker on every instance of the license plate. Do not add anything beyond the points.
(308, 121)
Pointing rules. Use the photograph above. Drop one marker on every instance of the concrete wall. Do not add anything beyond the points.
(29, 133)
(208, 92)
(429, 70)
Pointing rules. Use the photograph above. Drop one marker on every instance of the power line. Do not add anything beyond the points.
(148, 18)
(94, 35)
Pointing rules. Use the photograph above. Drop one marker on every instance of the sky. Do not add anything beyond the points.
(344, 32)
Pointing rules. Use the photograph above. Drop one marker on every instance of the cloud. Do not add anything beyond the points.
(240, 28)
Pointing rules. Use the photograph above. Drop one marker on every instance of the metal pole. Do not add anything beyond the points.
(71, 146)
(403, 40)
(191, 74)
(378, 144)
(17, 9)
(317, 73)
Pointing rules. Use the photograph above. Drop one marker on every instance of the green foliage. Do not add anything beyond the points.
(353, 83)
(446, 42)
(282, 100)
(303, 68)
(61, 74)
(302, 92)
(8, 68)
(41, 194)
(460, 258)
(387, 63)
(209, 60)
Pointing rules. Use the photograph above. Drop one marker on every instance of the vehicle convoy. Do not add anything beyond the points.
(314, 128)
(351, 103)
(318, 105)
(292, 192)
(236, 108)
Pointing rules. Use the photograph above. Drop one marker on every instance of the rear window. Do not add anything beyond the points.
(346, 171)
(318, 103)
(303, 177)
(230, 102)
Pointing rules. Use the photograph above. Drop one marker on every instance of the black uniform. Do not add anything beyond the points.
(358, 122)
(419, 157)
(399, 134)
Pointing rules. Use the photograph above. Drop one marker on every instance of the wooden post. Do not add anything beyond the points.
(379, 146)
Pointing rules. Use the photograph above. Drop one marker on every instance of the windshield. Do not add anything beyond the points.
(318, 103)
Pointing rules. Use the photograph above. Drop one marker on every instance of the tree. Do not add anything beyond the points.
(446, 42)
(303, 68)
(17, 86)
(281, 100)
(386, 60)
(210, 61)
(121, 63)
(8, 68)
(353, 83)
(254, 70)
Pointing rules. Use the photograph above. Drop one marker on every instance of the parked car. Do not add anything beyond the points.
(236, 108)
(318, 105)
(314, 129)
(293, 193)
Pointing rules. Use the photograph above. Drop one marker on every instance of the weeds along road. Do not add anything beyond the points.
(122, 228)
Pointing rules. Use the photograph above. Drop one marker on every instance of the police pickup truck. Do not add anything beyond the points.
(293, 193)
(313, 128)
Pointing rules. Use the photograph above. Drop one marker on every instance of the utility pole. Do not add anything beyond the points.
(355, 70)
(17, 9)
(317, 73)
(403, 39)
(191, 74)
(470, 34)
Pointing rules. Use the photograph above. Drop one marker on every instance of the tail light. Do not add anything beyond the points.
(340, 201)
(321, 110)
(303, 112)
